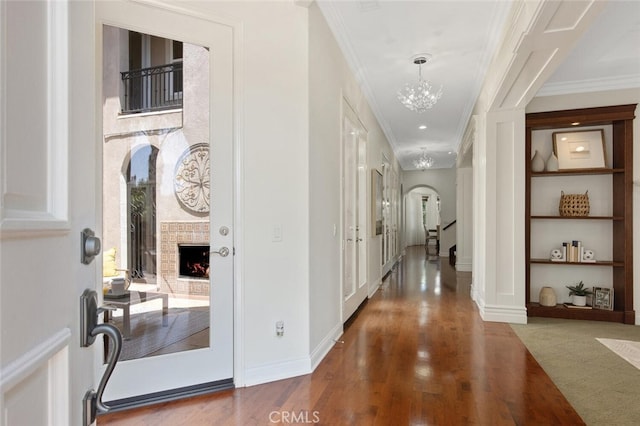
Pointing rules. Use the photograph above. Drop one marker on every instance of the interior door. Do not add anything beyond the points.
(167, 194)
(354, 249)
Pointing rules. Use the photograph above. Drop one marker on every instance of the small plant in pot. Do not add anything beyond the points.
(579, 294)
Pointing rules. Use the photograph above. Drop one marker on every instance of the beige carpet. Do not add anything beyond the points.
(602, 386)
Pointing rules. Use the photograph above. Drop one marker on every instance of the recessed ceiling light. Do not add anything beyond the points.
(422, 127)
(450, 152)
(575, 123)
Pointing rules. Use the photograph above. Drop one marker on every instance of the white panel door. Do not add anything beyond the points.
(47, 165)
(354, 196)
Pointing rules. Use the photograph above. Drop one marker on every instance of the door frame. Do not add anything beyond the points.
(237, 145)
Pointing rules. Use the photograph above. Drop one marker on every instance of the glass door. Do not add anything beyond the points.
(167, 198)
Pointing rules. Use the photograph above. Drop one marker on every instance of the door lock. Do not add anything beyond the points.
(89, 246)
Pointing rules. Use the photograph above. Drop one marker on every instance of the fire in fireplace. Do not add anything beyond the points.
(194, 261)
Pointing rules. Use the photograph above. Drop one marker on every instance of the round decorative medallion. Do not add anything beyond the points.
(191, 182)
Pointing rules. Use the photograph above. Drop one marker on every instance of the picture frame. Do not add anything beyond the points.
(602, 298)
(376, 187)
(582, 149)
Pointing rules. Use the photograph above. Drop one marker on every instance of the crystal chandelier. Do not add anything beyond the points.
(419, 97)
(424, 161)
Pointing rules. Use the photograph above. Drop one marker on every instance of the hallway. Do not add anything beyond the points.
(417, 353)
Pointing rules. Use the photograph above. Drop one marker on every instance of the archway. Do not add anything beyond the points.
(422, 215)
(141, 209)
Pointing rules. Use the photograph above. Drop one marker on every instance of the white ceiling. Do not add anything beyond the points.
(380, 38)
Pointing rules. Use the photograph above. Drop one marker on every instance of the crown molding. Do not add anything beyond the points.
(590, 85)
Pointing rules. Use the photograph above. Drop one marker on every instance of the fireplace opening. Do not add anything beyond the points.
(194, 261)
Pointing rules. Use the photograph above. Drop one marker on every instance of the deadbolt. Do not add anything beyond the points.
(89, 246)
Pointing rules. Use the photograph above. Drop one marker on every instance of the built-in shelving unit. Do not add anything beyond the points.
(610, 228)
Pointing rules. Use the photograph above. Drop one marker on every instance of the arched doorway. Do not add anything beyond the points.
(422, 217)
(141, 213)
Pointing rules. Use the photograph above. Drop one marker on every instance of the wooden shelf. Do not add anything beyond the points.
(598, 263)
(580, 172)
(620, 120)
(579, 217)
(561, 311)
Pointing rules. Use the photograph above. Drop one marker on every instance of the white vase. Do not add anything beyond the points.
(537, 162)
(579, 300)
(552, 163)
(547, 297)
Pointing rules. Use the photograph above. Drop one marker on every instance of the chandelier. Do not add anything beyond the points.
(424, 161)
(419, 97)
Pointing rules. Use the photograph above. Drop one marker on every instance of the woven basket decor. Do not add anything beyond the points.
(574, 204)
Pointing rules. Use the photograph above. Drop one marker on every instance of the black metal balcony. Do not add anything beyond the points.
(152, 89)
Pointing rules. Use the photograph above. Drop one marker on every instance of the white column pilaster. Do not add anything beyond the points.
(499, 187)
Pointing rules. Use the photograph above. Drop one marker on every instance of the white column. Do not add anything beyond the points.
(464, 218)
(499, 186)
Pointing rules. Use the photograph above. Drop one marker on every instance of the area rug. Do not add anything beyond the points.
(148, 335)
(626, 349)
(602, 387)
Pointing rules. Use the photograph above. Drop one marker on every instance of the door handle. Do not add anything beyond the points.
(89, 330)
(224, 251)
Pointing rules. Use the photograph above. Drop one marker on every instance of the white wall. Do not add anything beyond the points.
(330, 81)
(273, 85)
(598, 99)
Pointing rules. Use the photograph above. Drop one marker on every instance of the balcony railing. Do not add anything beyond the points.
(152, 89)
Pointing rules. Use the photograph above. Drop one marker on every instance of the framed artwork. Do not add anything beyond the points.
(602, 298)
(583, 149)
(376, 185)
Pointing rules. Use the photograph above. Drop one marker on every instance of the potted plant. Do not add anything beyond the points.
(579, 294)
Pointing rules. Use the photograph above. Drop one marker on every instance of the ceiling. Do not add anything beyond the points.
(381, 38)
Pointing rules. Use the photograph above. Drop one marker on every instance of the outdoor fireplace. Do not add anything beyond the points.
(193, 260)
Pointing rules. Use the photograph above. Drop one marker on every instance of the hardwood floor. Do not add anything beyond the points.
(416, 354)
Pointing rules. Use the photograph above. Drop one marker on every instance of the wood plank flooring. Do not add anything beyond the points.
(417, 353)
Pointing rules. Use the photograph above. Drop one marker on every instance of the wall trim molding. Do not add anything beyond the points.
(591, 85)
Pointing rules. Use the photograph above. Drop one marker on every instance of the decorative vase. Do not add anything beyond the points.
(537, 162)
(579, 300)
(552, 163)
(547, 297)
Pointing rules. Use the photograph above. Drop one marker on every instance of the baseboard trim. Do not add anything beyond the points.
(318, 354)
(277, 371)
(464, 267)
(508, 314)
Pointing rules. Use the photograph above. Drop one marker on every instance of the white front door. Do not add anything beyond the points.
(354, 195)
(52, 153)
(48, 196)
(167, 197)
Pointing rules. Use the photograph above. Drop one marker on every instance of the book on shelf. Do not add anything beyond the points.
(572, 306)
